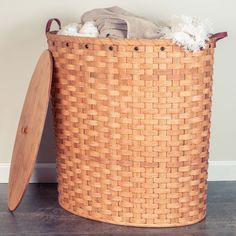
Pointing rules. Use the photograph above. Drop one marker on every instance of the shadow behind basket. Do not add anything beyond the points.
(132, 120)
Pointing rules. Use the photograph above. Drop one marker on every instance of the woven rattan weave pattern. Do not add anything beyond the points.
(132, 121)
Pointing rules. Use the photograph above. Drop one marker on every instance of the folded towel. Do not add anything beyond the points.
(190, 32)
(71, 29)
(118, 23)
(88, 29)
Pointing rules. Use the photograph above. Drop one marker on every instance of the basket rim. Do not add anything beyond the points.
(52, 35)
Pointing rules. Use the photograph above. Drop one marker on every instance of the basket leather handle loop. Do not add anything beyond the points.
(219, 36)
(49, 23)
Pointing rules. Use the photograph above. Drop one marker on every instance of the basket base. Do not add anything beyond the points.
(65, 207)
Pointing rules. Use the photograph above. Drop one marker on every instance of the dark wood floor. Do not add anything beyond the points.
(40, 214)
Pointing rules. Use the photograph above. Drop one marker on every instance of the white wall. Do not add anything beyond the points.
(22, 39)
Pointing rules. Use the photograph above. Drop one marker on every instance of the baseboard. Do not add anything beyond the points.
(222, 171)
(46, 172)
(43, 173)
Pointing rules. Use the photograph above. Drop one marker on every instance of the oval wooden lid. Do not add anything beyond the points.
(30, 130)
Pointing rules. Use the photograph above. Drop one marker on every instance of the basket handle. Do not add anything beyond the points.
(49, 23)
(219, 36)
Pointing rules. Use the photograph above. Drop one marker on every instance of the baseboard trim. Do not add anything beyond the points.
(43, 173)
(46, 172)
(222, 171)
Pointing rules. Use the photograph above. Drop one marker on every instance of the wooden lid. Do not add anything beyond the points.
(30, 130)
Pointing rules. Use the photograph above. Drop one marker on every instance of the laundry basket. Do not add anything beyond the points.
(132, 124)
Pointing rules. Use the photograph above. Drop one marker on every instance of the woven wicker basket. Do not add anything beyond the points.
(132, 123)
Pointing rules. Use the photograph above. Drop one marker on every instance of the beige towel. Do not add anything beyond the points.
(118, 23)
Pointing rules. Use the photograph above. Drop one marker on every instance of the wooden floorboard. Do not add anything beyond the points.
(40, 214)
